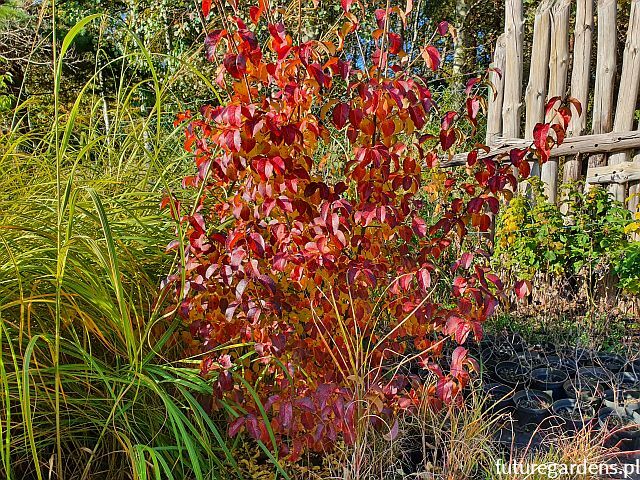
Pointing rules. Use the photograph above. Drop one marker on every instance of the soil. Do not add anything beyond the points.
(553, 377)
(611, 362)
(513, 374)
(578, 412)
(533, 403)
(616, 422)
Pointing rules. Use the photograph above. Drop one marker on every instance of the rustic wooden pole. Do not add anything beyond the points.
(494, 114)
(628, 91)
(602, 143)
(621, 173)
(605, 74)
(534, 97)
(580, 74)
(558, 69)
(513, 68)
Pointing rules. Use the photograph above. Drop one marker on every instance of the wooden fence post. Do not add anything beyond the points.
(558, 69)
(494, 114)
(605, 74)
(628, 90)
(513, 69)
(495, 98)
(580, 74)
(534, 97)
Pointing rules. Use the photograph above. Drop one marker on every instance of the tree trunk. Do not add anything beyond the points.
(460, 57)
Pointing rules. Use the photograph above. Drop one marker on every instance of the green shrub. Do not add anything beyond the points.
(587, 240)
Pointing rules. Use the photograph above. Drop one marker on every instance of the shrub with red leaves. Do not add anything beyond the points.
(305, 294)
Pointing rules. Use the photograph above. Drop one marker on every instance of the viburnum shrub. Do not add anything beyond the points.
(304, 294)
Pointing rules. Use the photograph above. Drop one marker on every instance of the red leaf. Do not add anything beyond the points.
(447, 139)
(458, 328)
(576, 104)
(493, 203)
(236, 65)
(340, 115)
(388, 127)
(206, 7)
(318, 74)
(472, 158)
(346, 4)
(458, 359)
(424, 279)
(525, 169)
(235, 426)
(253, 427)
(475, 205)
(268, 282)
(493, 278)
(431, 56)
(241, 287)
(516, 155)
(560, 133)
(522, 288)
(405, 281)
(550, 104)
(540, 133)
(286, 414)
(381, 16)
(256, 243)
(443, 27)
(470, 83)
(255, 13)
(473, 107)
(419, 226)
(459, 286)
(448, 119)
(466, 259)
(212, 41)
(395, 43)
(484, 223)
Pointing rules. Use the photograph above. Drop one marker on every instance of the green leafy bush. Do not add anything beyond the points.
(627, 269)
(586, 234)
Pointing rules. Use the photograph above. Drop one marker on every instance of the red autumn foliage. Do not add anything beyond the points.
(305, 291)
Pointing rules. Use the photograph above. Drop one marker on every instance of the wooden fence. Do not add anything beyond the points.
(604, 153)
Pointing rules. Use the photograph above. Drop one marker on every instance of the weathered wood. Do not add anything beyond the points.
(605, 73)
(628, 91)
(586, 144)
(634, 190)
(513, 68)
(614, 174)
(558, 69)
(534, 97)
(495, 98)
(580, 74)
